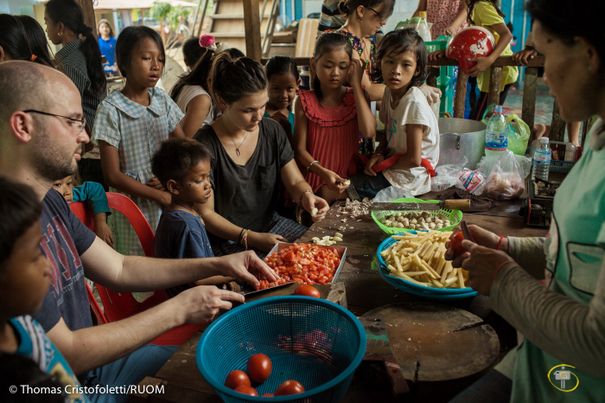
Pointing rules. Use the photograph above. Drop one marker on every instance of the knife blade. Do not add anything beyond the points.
(452, 204)
(252, 293)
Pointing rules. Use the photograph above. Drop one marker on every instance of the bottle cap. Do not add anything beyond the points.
(498, 109)
(543, 140)
(422, 14)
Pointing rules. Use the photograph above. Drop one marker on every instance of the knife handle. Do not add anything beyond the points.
(457, 204)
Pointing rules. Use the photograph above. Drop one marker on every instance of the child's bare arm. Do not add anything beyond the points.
(178, 132)
(111, 169)
(102, 229)
(484, 63)
(455, 26)
(413, 157)
(365, 118)
(197, 111)
(303, 157)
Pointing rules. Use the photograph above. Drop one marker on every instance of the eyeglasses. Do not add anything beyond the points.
(377, 14)
(78, 124)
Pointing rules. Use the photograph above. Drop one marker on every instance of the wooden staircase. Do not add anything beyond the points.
(227, 23)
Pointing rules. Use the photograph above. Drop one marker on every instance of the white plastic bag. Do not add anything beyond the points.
(391, 193)
(447, 176)
(506, 178)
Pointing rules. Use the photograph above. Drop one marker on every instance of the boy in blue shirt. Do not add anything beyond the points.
(93, 193)
(183, 168)
(25, 276)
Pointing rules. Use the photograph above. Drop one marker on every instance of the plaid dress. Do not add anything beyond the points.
(136, 131)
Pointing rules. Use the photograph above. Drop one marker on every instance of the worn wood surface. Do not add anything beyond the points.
(365, 291)
(494, 86)
(436, 342)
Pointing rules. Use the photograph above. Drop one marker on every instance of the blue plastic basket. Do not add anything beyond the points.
(311, 340)
(417, 289)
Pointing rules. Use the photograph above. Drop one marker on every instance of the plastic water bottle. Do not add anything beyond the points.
(541, 161)
(496, 140)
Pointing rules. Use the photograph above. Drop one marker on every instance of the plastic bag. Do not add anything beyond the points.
(391, 193)
(506, 178)
(517, 130)
(518, 134)
(471, 181)
(446, 177)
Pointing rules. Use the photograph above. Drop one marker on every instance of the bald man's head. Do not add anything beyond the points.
(40, 141)
(27, 85)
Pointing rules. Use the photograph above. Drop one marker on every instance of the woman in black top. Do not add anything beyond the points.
(250, 157)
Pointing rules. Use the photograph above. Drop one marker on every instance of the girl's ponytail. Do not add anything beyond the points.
(197, 76)
(70, 14)
(94, 65)
(234, 78)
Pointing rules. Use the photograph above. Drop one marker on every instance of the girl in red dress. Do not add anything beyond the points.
(331, 118)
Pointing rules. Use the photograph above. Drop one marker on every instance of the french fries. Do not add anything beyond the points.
(419, 258)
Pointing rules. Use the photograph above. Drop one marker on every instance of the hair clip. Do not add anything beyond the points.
(33, 57)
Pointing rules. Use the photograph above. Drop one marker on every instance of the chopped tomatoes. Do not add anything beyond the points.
(303, 263)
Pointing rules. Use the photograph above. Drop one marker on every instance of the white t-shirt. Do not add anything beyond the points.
(187, 94)
(413, 108)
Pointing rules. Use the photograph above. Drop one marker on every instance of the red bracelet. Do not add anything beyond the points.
(500, 239)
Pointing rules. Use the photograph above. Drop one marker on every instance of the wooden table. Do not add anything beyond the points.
(365, 290)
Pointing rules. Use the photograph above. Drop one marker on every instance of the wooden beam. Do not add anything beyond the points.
(495, 77)
(557, 126)
(460, 95)
(252, 25)
(528, 110)
(89, 14)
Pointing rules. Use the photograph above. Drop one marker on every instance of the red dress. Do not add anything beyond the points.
(332, 134)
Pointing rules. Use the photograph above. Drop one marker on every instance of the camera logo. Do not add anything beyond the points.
(563, 378)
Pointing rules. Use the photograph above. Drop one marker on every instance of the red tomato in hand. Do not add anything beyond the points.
(289, 387)
(307, 290)
(456, 243)
(246, 390)
(237, 378)
(259, 368)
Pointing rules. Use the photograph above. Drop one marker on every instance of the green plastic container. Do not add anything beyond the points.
(455, 216)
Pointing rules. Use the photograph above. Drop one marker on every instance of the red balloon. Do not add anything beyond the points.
(468, 44)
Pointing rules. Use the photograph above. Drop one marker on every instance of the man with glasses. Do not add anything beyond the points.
(41, 134)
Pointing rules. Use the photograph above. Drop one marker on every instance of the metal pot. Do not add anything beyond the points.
(460, 138)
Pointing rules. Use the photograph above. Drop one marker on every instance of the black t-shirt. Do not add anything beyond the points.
(247, 195)
(64, 240)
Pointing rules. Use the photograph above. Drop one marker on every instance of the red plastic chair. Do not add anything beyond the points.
(121, 305)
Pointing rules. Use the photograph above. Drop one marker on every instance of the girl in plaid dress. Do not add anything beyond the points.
(131, 124)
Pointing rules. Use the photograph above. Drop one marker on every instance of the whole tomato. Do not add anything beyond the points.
(289, 387)
(246, 390)
(237, 378)
(259, 368)
(307, 290)
(456, 243)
